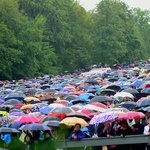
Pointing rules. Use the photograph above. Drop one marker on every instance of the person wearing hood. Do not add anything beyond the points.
(77, 134)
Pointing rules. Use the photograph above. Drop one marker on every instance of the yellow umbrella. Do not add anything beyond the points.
(71, 121)
(4, 113)
(26, 106)
(29, 99)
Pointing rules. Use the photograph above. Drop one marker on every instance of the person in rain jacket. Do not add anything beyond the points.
(77, 134)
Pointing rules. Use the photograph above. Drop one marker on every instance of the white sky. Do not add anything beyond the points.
(91, 4)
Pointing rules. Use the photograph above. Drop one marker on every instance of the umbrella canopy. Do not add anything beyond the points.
(52, 123)
(146, 91)
(117, 109)
(131, 91)
(130, 115)
(71, 97)
(63, 102)
(71, 121)
(29, 99)
(29, 106)
(108, 92)
(99, 104)
(35, 127)
(12, 101)
(27, 119)
(6, 130)
(101, 99)
(94, 107)
(121, 95)
(91, 81)
(50, 118)
(103, 117)
(129, 105)
(144, 103)
(79, 115)
(62, 110)
(18, 96)
(114, 87)
(50, 91)
(17, 114)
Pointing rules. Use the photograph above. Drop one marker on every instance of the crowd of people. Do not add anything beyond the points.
(87, 95)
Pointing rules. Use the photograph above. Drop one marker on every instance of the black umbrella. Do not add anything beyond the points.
(145, 102)
(129, 105)
(91, 81)
(8, 130)
(101, 99)
(114, 87)
(52, 123)
(35, 127)
(71, 97)
(113, 79)
(108, 92)
(31, 91)
(79, 115)
(12, 101)
(51, 91)
(18, 96)
(131, 91)
(49, 118)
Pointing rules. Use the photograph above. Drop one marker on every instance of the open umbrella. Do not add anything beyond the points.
(94, 107)
(71, 97)
(91, 81)
(144, 103)
(102, 99)
(103, 117)
(50, 118)
(123, 95)
(62, 110)
(12, 101)
(29, 99)
(131, 91)
(114, 87)
(99, 104)
(130, 115)
(71, 121)
(35, 127)
(108, 92)
(129, 105)
(6, 130)
(27, 119)
(18, 96)
(79, 115)
(52, 123)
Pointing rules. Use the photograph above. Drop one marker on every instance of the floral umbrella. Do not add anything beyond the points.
(103, 117)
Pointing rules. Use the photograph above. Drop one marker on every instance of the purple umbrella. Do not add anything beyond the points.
(17, 114)
(103, 117)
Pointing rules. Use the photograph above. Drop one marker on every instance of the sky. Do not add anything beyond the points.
(142, 4)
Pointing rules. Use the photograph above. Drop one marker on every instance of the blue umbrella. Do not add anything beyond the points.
(35, 127)
(46, 110)
(85, 96)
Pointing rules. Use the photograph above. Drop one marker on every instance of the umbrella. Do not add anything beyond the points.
(50, 91)
(63, 102)
(6, 130)
(71, 121)
(88, 112)
(35, 127)
(101, 99)
(18, 96)
(79, 115)
(108, 92)
(144, 103)
(27, 119)
(129, 105)
(130, 115)
(114, 87)
(99, 104)
(131, 91)
(52, 123)
(50, 118)
(62, 110)
(103, 117)
(17, 114)
(71, 97)
(146, 91)
(117, 109)
(12, 101)
(121, 95)
(91, 81)
(94, 107)
(46, 110)
(29, 99)
(31, 91)
(26, 106)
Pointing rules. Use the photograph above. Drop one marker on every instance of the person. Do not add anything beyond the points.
(76, 134)
(124, 130)
(137, 128)
(147, 132)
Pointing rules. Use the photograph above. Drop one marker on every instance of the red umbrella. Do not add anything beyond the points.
(99, 104)
(27, 119)
(131, 115)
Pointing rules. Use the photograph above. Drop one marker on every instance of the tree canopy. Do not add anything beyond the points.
(50, 36)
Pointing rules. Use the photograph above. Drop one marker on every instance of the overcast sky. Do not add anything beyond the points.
(91, 4)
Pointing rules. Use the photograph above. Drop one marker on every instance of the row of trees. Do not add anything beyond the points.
(50, 36)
